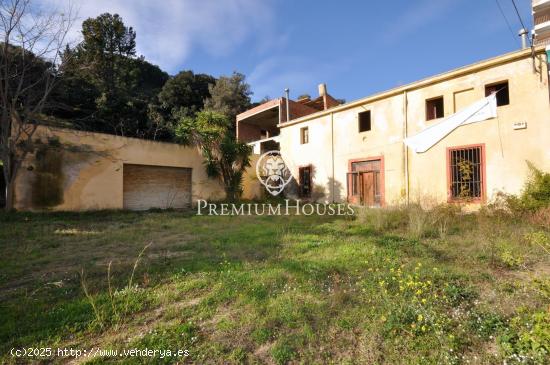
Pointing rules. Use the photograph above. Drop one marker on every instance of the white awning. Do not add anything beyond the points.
(477, 112)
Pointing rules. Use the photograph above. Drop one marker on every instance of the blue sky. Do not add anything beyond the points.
(357, 47)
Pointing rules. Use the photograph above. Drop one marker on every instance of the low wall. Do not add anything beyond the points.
(84, 170)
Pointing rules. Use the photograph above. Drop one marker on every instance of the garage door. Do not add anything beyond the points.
(148, 187)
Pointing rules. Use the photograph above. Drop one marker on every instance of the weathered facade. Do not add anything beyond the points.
(356, 152)
(74, 170)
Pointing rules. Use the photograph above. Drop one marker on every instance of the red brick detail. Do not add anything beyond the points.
(260, 108)
(330, 102)
(247, 132)
(297, 110)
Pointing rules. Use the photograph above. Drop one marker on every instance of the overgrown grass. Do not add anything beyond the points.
(392, 286)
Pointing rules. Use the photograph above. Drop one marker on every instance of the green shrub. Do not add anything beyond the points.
(509, 260)
(536, 193)
(283, 352)
(486, 324)
(542, 287)
(261, 335)
(527, 341)
(459, 293)
(539, 239)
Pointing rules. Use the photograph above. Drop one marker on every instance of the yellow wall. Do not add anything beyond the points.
(93, 164)
(507, 150)
(252, 188)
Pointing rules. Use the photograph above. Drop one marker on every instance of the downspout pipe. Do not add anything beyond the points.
(405, 148)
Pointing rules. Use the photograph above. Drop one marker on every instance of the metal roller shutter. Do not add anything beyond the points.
(146, 187)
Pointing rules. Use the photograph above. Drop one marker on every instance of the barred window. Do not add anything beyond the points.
(466, 173)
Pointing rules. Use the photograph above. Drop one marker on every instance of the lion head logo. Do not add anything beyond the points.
(273, 172)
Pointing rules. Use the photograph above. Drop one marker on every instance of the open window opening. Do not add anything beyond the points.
(435, 108)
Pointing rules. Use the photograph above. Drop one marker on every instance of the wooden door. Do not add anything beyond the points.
(368, 188)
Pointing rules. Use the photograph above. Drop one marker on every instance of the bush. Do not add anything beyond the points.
(535, 195)
(528, 339)
(510, 260)
(539, 239)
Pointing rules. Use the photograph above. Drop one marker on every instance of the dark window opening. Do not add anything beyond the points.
(364, 121)
(304, 135)
(264, 134)
(466, 173)
(435, 108)
(502, 90)
(305, 181)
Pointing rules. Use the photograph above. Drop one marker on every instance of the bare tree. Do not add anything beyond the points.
(31, 44)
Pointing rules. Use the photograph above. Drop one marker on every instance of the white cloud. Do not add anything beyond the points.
(271, 76)
(417, 16)
(169, 30)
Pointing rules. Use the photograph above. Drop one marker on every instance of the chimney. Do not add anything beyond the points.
(322, 89)
(523, 34)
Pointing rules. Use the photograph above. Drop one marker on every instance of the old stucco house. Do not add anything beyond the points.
(358, 152)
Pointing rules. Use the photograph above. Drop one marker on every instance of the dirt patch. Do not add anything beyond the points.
(263, 353)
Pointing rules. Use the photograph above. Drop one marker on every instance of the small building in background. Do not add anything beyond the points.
(541, 21)
(259, 126)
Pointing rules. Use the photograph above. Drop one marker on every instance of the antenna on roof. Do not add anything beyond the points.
(287, 95)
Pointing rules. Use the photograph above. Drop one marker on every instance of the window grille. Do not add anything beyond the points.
(466, 173)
